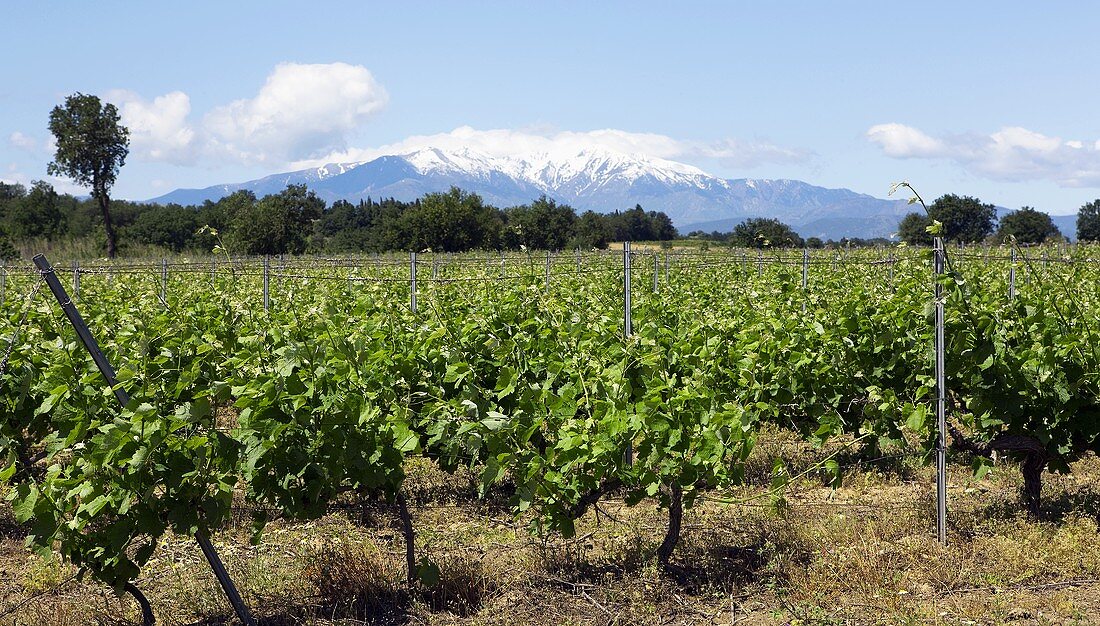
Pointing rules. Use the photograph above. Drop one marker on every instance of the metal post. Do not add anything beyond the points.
(412, 282)
(628, 328)
(164, 281)
(656, 273)
(805, 275)
(3, 282)
(435, 267)
(123, 398)
(546, 283)
(267, 283)
(76, 280)
(759, 262)
(1012, 277)
(577, 253)
(666, 269)
(941, 394)
(213, 272)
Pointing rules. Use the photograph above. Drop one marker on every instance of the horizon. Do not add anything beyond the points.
(830, 95)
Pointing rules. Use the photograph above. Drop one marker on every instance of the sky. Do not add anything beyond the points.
(997, 100)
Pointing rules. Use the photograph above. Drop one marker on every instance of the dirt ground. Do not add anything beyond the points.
(864, 553)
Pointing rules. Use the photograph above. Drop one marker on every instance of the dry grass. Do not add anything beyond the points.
(864, 553)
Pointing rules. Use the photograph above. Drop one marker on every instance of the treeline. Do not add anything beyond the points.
(297, 221)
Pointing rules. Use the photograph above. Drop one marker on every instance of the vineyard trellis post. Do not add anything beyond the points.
(656, 273)
(1012, 277)
(412, 281)
(628, 328)
(3, 282)
(213, 272)
(267, 283)
(941, 393)
(546, 282)
(759, 262)
(76, 279)
(805, 276)
(666, 269)
(108, 372)
(164, 281)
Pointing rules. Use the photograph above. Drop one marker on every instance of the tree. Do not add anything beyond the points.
(36, 214)
(765, 232)
(541, 225)
(172, 226)
(277, 224)
(1088, 222)
(591, 231)
(913, 229)
(1028, 226)
(91, 147)
(964, 218)
(453, 221)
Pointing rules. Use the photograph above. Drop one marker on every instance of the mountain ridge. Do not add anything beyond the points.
(588, 179)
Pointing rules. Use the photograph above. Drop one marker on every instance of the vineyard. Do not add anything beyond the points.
(551, 397)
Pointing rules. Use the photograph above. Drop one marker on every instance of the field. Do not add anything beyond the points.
(751, 445)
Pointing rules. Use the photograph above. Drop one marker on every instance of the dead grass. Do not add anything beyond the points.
(864, 553)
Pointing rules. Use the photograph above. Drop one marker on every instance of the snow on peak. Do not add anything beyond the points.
(587, 168)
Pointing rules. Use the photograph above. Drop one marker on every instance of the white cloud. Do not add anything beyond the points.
(508, 142)
(302, 111)
(31, 144)
(1010, 154)
(159, 129)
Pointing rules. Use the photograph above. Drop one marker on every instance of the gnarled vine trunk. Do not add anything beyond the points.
(675, 521)
(1034, 461)
(410, 536)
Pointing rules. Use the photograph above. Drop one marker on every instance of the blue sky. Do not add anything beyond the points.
(997, 100)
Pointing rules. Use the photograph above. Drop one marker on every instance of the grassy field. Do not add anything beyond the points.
(864, 553)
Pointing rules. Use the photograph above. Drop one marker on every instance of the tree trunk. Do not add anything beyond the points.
(1032, 468)
(410, 537)
(675, 517)
(112, 239)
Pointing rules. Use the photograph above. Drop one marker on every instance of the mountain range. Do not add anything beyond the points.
(590, 179)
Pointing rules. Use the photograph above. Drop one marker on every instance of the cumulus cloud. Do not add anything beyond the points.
(159, 129)
(31, 144)
(1010, 154)
(301, 111)
(521, 142)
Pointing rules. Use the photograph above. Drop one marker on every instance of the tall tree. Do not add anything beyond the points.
(764, 232)
(913, 229)
(91, 147)
(964, 218)
(1028, 226)
(1088, 222)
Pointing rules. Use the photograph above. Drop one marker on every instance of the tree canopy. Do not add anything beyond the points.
(964, 218)
(1088, 222)
(1028, 226)
(761, 232)
(91, 148)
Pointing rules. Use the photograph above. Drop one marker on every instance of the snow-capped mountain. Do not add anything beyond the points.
(600, 180)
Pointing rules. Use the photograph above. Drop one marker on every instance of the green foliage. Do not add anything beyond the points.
(277, 224)
(1028, 226)
(171, 226)
(913, 229)
(964, 218)
(541, 225)
(1088, 222)
(91, 148)
(761, 232)
(35, 214)
(451, 222)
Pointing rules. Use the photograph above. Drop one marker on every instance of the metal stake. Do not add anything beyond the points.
(941, 394)
(1012, 277)
(805, 275)
(412, 282)
(123, 398)
(628, 328)
(656, 273)
(164, 281)
(267, 283)
(76, 280)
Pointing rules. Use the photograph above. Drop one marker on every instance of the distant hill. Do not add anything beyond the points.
(597, 180)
